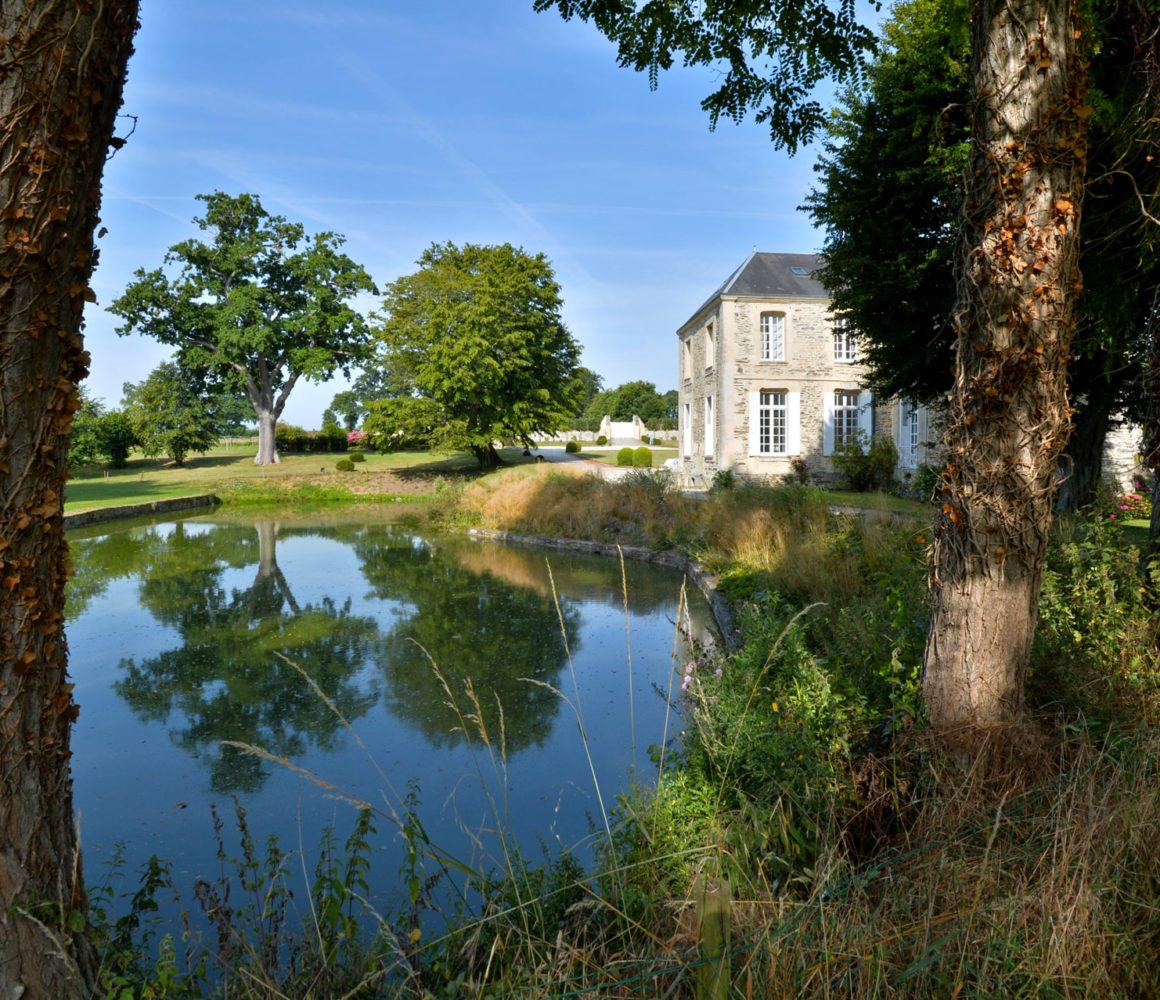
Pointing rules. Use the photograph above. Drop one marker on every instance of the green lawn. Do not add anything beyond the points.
(232, 468)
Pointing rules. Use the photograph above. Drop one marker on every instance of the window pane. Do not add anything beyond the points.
(772, 337)
(845, 416)
(771, 423)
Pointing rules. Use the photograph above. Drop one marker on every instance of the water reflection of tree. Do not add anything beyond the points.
(227, 680)
(98, 560)
(474, 627)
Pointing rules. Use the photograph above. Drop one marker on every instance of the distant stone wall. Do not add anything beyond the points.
(1121, 462)
(103, 514)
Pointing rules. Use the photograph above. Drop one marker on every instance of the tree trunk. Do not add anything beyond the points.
(267, 442)
(62, 65)
(1018, 277)
(488, 457)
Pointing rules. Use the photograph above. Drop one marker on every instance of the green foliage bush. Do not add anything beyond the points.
(330, 438)
(724, 479)
(293, 440)
(866, 468)
(653, 484)
(357, 456)
(1097, 640)
(642, 458)
(290, 438)
(624, 457)
(601, 440)
(925, 482)
(572, 447)
(344, 465)
(799, 470)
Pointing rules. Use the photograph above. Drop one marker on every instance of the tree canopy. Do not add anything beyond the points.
(636, 398)
(168, 415)
(258, 307)
(473, 350)
(769, 55)
(890, 197)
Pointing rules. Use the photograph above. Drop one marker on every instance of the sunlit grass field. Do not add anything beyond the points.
(231, 468)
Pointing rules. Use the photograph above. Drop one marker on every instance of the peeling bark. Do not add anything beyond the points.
(62, 66)
(1018, 278)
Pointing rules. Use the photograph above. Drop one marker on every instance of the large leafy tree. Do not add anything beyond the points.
(890, 197)
(259, 306)
(474, 351)
(1017, 282)
(84, 445)
(637, 398)
(60, 89)
(168, 414)
(768, 55)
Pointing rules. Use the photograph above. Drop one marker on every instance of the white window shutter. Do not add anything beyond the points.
(793, 423)
(753, 431)
(866, 415)
(828, 423)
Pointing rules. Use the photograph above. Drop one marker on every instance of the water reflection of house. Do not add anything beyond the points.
(769, 378)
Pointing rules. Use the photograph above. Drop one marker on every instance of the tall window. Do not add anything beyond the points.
(845, 416)
(772, 337)
(687, 430)
(710, 346)
(845, 344)
(772, 423)
(710, 426)
(687, 358)
(912, 441)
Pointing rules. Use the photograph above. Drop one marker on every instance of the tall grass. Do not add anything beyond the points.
(805, 837)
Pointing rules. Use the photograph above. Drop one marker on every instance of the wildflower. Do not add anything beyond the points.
(775, 707)
(718, 672)
(686, 682)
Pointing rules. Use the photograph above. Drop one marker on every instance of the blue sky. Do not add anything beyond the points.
(398, 123)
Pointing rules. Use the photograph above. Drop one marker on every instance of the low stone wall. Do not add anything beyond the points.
(103, 514)
(704, 581)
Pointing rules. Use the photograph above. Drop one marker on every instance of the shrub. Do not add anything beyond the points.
(655, 484)
(799, 470)
(601, 441)
(572, 447)
(724, 479)
(330, 438)
(357, 456)
(642, 458)
(865, 468)
(290, 438)
(925, 482)
(344, 465)
(624, 457)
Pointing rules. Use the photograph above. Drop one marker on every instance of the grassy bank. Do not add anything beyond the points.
(806, 837)
(230, 472)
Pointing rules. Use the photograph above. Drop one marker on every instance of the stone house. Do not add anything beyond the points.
(770, 378)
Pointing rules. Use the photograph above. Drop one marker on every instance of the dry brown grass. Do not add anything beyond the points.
(560, 502)
(1034, 875)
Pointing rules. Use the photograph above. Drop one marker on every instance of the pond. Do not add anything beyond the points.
(503, 688)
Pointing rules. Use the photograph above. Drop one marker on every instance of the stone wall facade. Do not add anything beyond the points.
(721, 370)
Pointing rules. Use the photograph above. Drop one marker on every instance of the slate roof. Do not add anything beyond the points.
(772, 275)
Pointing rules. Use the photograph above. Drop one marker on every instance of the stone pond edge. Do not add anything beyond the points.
(84, 518)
